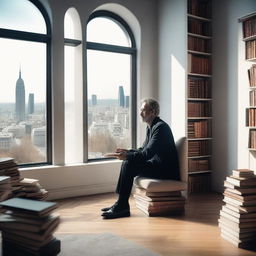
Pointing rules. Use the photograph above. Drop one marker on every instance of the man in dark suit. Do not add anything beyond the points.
(157, 158)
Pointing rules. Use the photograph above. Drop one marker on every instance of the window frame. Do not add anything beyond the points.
(132, 51)
(43, 38)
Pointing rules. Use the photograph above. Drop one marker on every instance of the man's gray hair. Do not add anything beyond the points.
(153, 104)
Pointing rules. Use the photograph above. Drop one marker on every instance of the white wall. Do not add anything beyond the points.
(172, 63)
(230, 137)
(90, 178)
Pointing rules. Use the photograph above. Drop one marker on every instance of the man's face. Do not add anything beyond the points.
(146, 113)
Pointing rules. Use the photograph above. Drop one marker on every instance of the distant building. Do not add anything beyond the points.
(6, 140)
(39, 136)
(18, 131)
(127, 103)
(31, 104)
(121, 97)
(20, 99)
(94, 99)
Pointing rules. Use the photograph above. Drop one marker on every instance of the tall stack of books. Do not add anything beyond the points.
(238, 216)
(30, 188)
(159, 203)
(27, 228)
(8, 167)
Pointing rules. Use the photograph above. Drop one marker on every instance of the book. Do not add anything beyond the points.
(242, 198)
(242, 173)
(38, 208)
(241, 191)
(236, 225)
(240, 209)
(236, 202)
(238, 232)
(242, 215)
(160, 212)
(20, 224)
(165, 199)
(235, 219)
(239, 181)
(238, 243)
(144, 192)
(11, 248)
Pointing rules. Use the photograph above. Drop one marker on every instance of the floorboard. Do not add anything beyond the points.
(196, 233)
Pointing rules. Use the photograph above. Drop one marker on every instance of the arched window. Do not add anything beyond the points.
(111, 84)
(25, 112)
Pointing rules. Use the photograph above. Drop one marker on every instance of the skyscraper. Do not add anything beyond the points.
(31, 103)
(121, 99)
(20, 99)
(94, 99)
(127, 103)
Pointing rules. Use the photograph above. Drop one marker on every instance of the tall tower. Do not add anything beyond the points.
(31, 103)
(94, 99)
(127, 103)
(121, 99)
(20, 99)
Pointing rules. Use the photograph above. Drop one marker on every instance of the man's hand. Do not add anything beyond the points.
(121, 153)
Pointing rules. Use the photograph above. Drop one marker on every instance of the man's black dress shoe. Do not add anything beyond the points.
(108, 208)
(116, 211)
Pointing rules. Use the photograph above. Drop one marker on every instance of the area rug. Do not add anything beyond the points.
(104, 244)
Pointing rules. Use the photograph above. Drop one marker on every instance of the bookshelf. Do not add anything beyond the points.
(199, 95)
(249, 37)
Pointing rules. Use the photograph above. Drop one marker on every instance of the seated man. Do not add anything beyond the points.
(157, 158)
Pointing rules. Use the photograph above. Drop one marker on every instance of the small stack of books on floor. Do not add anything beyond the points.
(27, 228)
(159, 203)
(30, 188)
(238, 216)
(5, 188)
(21, 187)
(8, 167)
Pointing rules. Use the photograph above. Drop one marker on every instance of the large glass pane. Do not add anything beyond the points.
(21, 15)
(109, 90)
(106, 31)
(23, 101)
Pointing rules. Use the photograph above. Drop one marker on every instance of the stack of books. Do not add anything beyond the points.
(238, 216)
(5, 188)
(8, 167)
(30, 188)
(27, 227)
(159, 203)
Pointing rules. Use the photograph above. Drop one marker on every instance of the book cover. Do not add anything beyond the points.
(29, 206)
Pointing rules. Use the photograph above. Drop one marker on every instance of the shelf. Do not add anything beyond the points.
(251, 127)
(200, 36)
(199, 117)
(199, 99)
(193, 139)
(198, 17)
(253, 59)
(252, 88)
(196, 172)
(196, 157)
(252, 149)
(248, 16)
(200, 53)
(199, 75)
(250, 107)
(249, 38)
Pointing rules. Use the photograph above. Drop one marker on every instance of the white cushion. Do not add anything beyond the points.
(158, 185)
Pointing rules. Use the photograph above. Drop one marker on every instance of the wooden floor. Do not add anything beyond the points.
(196, 233)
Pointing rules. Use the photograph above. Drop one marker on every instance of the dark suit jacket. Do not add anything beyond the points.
(159, 151)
